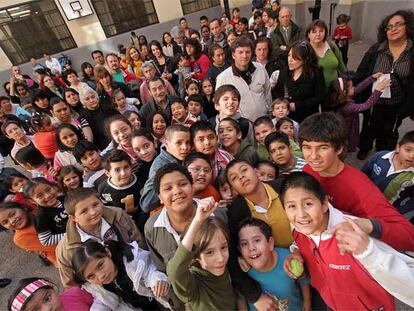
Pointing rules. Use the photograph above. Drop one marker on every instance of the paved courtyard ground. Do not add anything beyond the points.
(17, 264)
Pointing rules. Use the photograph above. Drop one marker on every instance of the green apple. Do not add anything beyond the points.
(296, 267)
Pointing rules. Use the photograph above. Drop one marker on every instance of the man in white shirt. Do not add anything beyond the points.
(250, 78)
(52, 63)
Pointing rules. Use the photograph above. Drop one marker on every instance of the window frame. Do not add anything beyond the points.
(199, 4)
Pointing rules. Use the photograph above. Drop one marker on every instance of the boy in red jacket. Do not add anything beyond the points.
(342, 35)
(322, 137)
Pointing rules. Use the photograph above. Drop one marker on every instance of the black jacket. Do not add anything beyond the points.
(237, 211)
(278, 40)
(306, 93)
(366, 68)
(104, 97)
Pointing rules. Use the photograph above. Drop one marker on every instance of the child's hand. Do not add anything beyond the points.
(266, 303)
(205, 208)
(224, 203)
(286, 265)
(160, 289)
(243, 264)
(377, 75)
(383, 84)
(355, 241)
(52, 171)
(292, 107)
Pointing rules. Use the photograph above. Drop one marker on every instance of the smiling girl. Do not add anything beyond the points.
(69, 178)
(67, 136)
(158, 122)
(119, 276)
(51, 221)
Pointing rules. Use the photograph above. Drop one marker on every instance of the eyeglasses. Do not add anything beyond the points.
(197, 170)
(395, 26)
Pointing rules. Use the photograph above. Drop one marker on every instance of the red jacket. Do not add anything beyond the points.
(203, 63)
(342, 281)
(344, 34)
(352, 192)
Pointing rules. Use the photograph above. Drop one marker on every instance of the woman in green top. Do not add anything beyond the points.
(328, 53)
(200, 278)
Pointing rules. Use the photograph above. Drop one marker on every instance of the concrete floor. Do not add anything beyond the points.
(17, 264)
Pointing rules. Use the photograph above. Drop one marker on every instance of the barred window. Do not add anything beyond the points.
(190, 6)
(124, 15)
(31, 29)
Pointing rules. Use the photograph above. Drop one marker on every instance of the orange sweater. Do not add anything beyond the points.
(28, 240)
(210, 191)
(46, 143)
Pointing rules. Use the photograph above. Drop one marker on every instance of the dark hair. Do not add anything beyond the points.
(72, 198)
(280, 122)
(273, 14)
(236, 9)
(407, 138)
(220, 91)
(302, 50)
(205, 26)
(38, 120)
(182, 19)
(342, 18)
(196, 98)
(242, 41)
(318, 23)
(408, 16)
(113, 156)
(178, 100)
(39, 94)
(212, 49)
(233, 122)
(324, 127)
(28, 188)
(30, 155)
(85, 65)
(4, 98)
(95, 52)
(91, 249)
(276, 137)
(8, 181)
(82, 147)
(158, 45)
(175, 128)
(264, 228)
(69, 72)
(221, 179)
(268, 163)
(304, 181)
(164, 43)
(67, 90)
(7, 123)
(177, 58)
(257, 14)
(263, 120)
(337, 97)
(203, 17)
(22, 284)
(150, 120)
(155, 79)
(197, 47)
(244, 21)
(65, 170)
(54, 101)
(168, 169)
(280, 100)
(128, 113)
(233, 163)
(194, 156)
(201, 125)
(264, 39)
(112, 119)
(144, 133)
(190, 82)
(194, 32)
(63, 126)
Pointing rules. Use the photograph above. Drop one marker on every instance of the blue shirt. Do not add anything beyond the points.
(278, 283)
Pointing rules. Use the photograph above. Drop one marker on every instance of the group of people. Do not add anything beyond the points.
(207, 172)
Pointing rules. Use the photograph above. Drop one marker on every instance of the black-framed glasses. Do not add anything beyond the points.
(397, 25)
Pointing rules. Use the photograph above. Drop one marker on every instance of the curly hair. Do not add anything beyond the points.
(408, 16)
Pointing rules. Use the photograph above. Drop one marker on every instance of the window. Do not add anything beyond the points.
(124, 15)
(190, 6)
(31, 29)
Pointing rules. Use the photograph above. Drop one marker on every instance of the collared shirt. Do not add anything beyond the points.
(274, 215)
(245, 75)
(106, 233)
(389, 156)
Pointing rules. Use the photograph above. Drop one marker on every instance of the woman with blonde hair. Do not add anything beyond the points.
(134, 61)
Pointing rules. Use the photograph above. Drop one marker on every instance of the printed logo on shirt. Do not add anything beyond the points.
(377, 169)
(60, 220)
(339, 267)
(106, 197)
(109, 234)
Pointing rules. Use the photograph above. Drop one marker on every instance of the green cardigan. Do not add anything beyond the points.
(331, 64)
(197, 287)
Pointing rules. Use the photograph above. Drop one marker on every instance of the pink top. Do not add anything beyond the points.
(76, 298)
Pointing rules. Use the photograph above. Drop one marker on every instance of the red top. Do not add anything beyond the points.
(210, 191)
(203, 63)
(46, 143)
(344, 34)
(342, 281)
(352, 192)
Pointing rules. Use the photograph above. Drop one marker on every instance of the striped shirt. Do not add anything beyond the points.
(400, 70)
(297, 166)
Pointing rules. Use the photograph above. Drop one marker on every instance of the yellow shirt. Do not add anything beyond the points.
(274, 215)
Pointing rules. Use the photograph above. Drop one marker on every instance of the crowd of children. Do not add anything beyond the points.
(179, 202)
